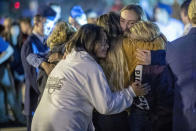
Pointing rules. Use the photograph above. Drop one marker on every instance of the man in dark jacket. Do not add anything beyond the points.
(33, 44)
(181, 57)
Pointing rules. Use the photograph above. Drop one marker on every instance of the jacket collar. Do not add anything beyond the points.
(41, 38)
(79, 55)
(193, 30)
(35, 38)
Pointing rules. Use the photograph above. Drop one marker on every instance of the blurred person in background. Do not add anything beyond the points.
(180, 55)
(7, 87)
(170, 27)
(26, 26)
(184, 16)
(147, 7)
(16, 63)
(14, 32)
(26, 30)
(6, 52)
(117, 6)
(7, 24)
(77, 17)
(91, 16)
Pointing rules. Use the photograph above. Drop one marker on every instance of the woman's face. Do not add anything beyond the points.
(101, 47)
(15, 30)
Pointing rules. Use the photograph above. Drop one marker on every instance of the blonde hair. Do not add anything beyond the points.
(143, 35)
(121, 60)
(192, 11)
(114, 63)
(60, 34)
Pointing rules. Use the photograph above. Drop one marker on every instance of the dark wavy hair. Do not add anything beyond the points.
(85, 39)
(111, 24)
(185, 6)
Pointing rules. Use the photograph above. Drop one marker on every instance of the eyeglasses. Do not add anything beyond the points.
(103, 43)
(129, 22)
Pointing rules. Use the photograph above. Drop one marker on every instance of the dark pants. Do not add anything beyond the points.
(33, 102)
(29, 120)
(116, 122)
(139, 120)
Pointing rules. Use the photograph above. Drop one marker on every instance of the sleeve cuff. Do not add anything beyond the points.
(131, 92)
(34, 60)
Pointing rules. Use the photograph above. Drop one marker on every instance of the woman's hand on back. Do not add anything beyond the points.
(140, 89)
(144, 57)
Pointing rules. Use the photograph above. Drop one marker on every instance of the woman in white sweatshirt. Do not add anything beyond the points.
(77, 85)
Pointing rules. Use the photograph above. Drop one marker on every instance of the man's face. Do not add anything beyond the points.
(41, 26)
(184, 17)
(127, 19)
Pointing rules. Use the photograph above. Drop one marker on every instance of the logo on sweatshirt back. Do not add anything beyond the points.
(54, 83)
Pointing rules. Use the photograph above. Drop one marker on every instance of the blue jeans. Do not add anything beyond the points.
(8, 96)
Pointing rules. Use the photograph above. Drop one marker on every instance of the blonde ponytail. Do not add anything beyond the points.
(192, 11)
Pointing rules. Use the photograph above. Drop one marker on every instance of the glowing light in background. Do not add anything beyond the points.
(17, 5)
(81, 19)
(57, 9)
(33, 5)
(48, 26)
(78, 14)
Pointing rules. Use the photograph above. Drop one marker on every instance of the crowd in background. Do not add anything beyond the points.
(30, 48)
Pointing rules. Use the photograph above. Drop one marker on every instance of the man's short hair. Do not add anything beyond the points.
(134, 7)
(37, 19)
(185, 6)
(47, 12)
(26, 20)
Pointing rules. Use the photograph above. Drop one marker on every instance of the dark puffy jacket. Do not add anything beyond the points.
(160, 98)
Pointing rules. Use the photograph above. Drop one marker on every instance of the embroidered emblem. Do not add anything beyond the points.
(54, 83)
